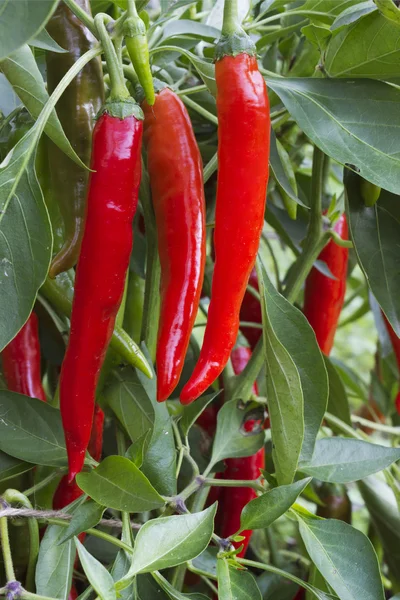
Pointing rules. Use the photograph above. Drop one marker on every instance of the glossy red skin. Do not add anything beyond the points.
(95, 446)
(243, 152)
(73, 594)
(251, 311)
(21, 361)
(176, 178)
(396, 349)
(323, 296)
(101, 273)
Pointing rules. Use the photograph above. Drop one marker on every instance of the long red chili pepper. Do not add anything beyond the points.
(176, 177)
(21, 361)
(251, 311)
(243, 152)
(101, 273)
(396, 349)
(324, 296)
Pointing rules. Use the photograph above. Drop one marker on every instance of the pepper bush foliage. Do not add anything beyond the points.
(326, 520)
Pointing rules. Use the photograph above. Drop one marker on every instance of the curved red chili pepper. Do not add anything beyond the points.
(243, 152)
(21, 361)
(251, 311)
(101, 273)
(176, 177)
(396, 349)
(324, 296)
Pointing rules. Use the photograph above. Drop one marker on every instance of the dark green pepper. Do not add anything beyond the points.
(76, 109)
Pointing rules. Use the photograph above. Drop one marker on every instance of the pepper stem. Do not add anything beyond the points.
(118, 91)
(231, 17)
(132, 10)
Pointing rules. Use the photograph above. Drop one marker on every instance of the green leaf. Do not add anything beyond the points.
(279, 172)
(264, 510)
(284, 392)
(297, 336)
(23, 73)
(355, 137)
(119, 569)
(88, 515)
(375, 233)
(231, 438)
(25, 240)
(336, 549)
(367, 48)
(128, 399)
(147, 588)
(98, 576)
(31, 430)
(44, 41)
(172, 592)
(187, 28)
(117, 483)
(342, 460)
(10, 466)
(353, 13)
(338, 403)
(136, 451)
(389, 10)
(205, 69)
(236, 584)
(21, 21)
(169, 541)
(192, 412)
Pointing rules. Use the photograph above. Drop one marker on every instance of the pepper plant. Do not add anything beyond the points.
(200, 334)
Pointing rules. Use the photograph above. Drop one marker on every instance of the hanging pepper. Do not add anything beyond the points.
(396, 349)
(21, 361)
(103, 261)
(369, 192)
(243, 153)
(336, 505)
(76, 109)
(323, 295)
(176, 178)
(134, 31)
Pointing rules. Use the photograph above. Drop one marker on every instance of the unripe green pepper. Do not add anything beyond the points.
(369, 192)
(136, 43)
(134, 306)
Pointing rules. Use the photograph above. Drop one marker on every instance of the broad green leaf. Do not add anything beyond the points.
(264, 510)
(375, 233)
(131, 404)
(355, 136)
(284, 392)
(25, 240)
(23, 73)
(192, 412)
(21, 21)
(353, 13)
(389, 10)
(338, 403)
(98, 576)
(341, 460)
(231, 438)
(169, 541)
(367, 48)
(31, 430)
(236, 584)
(10, 466)
(85, 517)
(382, 507)
(118, 483)
(55, 563)
(187, 28)
(296, 335)
(344, 556)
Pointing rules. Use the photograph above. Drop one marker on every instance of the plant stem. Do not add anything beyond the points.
(118, 89)
(96, 533)
(125, 516)
(271, 569)
(13, 497)
(6, 550)
(200, 110)
(82, 15)
(210, 168)
(151, 303)
(342, 426)
(191, 90)
(132, 10)
(374, 425)
(30, 596)
(231, 20)
(255, 485)
(314, 13)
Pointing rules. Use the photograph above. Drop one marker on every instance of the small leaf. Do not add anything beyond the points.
(136, 451)
(353, 13)
(10, 466)
(231, 439)
(344, 556)
(87, 516)
(279, 173)
(192, 412)
(118, 483)
(31, 430)
(44, 41)
(205, 69)
(187, 28)
(338, 403)
(341, 460)
(169, 541)
(264, 510)
(98, 576)
(172, 592)
(236, 584)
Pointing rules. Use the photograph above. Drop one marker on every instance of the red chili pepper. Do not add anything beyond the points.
(243, 152)
(251, 311)
(396, 349)
(324, 296)
(21, 361)
(176, 177)
(73, 594)
(101, 273)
